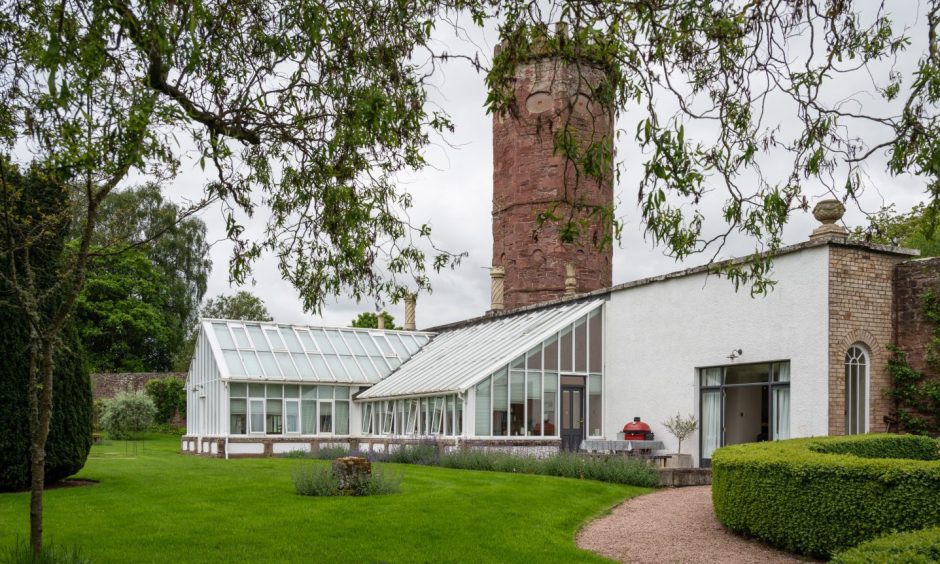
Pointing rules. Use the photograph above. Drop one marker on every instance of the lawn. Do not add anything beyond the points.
(161, 506)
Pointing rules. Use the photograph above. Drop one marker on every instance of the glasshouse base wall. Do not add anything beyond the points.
(242, 447)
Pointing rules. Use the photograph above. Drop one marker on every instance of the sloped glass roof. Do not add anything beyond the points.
(459, 358)
(267, 351)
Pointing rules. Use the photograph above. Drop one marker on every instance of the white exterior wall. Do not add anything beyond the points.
(657, 335)
(206, 395)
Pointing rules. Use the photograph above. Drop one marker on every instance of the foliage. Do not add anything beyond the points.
(21, 553)
(314, 480)
(446, 511)
(242, 306)
(168, 396)
(792, 495)
(918, 547)
(29, 194)
(916, 229)
(128, 414)
(681, 428)
(426, 454)
(369, 320)
(916, 395)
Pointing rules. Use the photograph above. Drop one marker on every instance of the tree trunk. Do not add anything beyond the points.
(40, 406)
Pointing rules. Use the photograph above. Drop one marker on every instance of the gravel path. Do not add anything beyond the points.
(672, 525)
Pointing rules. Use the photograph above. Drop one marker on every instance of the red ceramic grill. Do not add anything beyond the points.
(637, 430)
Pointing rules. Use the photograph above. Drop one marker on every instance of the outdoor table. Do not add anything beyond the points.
(637, 447)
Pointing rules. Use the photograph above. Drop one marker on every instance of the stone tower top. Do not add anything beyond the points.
(551, 96)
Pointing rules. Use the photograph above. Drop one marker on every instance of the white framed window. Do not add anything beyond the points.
(857, 364)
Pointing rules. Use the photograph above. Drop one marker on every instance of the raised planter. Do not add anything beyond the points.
(679, 461)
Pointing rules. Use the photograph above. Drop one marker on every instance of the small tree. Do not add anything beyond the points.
(128, 413)
(369, 320)
(168, 396)
(681, 428)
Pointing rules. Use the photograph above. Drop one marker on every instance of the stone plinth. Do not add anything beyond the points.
(351, 470)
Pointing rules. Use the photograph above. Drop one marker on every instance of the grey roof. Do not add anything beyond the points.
(458, 359)
(251, 350)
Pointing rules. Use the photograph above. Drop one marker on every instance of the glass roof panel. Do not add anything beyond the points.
(322, 342)
(224, 337)
(368, 344)
(234, 364)
(241, 338)
(368, 369)
(261, 344)
(293, 345)
(352, 342)
(276, 342)
(287, 367)
(382, 364)
(252, 366)
(337, 341)
(355, 373)
(410, 343)
(393, 362)
(320, 368)
(339, 373)
(307, 341)
(269, 364)
(303, 366)
(396, 344)
(383, 344)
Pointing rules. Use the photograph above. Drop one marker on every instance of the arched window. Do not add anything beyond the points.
(856, 390)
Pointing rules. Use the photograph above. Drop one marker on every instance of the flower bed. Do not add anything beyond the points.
(821, 496)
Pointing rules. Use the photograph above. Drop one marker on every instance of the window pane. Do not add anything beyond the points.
(338, 343)
(326, 417)
(304, 370)
(257, 415)
(533, 406)
(252, 366)
(458, 425)
(256, 390)
(339, 373)
(534, 358)
(383, 344)
(257, 338)
(747, 373)
(409, 343)
(781, 372)
(500, 404)
(307, 341)
(399, 348)
(712, 376)
(437, 412)
(368, 371)
(237, 390)
(355, 373)
(275, 391)
(287, 367)
(322, 342)
(449, 415)
(325, 392)
(320, 370)
(566, 349)
(341, 392)
(290, 338)
(412, 416)
(580, 346)
(275, 338)
(309, 415)
(550, 400)
(596, 336)
(223, 336)
(291, 391)
(551, 353)
(269, 365)
(516, 402)
(595, 405)
(309, 392)
(342, 418)
(241, 338)
(353, 342)
(238, 413)
(234, 363)
(367, 418)
(368, 344)
(292, 416)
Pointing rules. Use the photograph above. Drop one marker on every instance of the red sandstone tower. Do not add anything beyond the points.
(529, 178)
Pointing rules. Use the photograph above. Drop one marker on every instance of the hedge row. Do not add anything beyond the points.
(822, 496)
(918, 547)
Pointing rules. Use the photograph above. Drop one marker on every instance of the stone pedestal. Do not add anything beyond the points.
(351, 470)
(679, 461)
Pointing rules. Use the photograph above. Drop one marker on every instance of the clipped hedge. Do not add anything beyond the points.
(918, 547)
(824, 495)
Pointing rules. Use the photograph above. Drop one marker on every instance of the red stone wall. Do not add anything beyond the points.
(529, 179)
(106, 385)
(913, 332)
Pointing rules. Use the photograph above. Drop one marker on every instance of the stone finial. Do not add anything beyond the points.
(497, 279)
(410, 312)
(828, 212)
(381, 320)
(571, 279)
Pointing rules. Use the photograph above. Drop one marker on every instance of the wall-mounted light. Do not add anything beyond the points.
(735, 354)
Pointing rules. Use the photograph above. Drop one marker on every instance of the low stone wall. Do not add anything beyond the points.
(681, 477)
(106, 385)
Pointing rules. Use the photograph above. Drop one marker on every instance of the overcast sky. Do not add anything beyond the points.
(453, 195)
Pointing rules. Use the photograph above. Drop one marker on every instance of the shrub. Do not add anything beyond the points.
(426, 454)
(128, 414)
(322, 481)
(330, 453)
(22, 553)
(168, 396)
(918, 547)
(821, 496)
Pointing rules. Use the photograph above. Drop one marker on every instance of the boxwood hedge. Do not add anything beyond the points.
(821, 496)
(918, 547)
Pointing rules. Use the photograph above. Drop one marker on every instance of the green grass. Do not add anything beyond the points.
(161, 506)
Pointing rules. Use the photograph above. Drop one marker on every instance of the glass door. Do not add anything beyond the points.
(572, 417)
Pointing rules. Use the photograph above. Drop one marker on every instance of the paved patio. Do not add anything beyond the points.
(672, 525)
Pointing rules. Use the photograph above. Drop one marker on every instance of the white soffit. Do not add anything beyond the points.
(458, 359)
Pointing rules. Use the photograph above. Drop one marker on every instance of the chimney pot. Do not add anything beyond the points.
(571, 279)
(381, 320)
(497, 279)
(410, 312)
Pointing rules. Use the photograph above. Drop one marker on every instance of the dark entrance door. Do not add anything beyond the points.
(572, 417)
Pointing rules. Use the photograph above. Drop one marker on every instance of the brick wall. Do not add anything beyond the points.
(861, 310)
(913, 333)
(106, 385)
(529, 178)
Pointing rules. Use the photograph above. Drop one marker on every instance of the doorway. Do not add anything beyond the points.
(572, 413)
